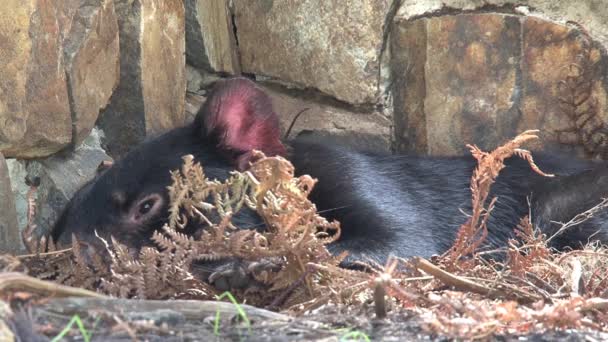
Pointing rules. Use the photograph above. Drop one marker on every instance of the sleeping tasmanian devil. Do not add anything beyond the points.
(387, 204)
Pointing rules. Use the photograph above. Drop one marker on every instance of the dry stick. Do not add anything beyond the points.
(380, 294)
(580, 218)
(281, 297)
(465, 284)
(577, 285)
(195, 310)
(542, 284)
(505, 289)
(324, 298)
(546, 295)
(21, 282)
(308, 269)
(25, 256)
(125, 326)
(595, 304)
(582, 253)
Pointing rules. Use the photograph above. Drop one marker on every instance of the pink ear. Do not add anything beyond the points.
(240, 117)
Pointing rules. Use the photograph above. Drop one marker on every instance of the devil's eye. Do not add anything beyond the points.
(145, 207)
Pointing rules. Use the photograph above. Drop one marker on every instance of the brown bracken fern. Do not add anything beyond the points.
(474, 231)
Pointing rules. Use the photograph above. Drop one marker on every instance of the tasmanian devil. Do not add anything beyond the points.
(387, 204)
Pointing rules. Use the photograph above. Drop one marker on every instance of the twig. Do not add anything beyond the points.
(467, 285)
(576, 278)
(546, 295)
(125, 326)
(580, 218)
(25, 256)
(380, 284)
(595, 304)
(545, 286)
(190, 309)
(21, 282)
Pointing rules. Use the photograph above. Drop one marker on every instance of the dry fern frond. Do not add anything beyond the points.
(295, 233)
(152, 273)
(79, 266)
(474, 231)
(531, 247)
(294, 228)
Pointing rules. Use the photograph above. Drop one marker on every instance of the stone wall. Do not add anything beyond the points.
(84, 80)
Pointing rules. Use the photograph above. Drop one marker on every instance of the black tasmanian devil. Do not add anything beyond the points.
(387, 204)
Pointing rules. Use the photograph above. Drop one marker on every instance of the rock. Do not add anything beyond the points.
(44, 42)
(331, 46)
(208, 80)
(150, 96)
(408, 56)
(592, 14)
(199, 81)
(10, 238)
(573, 115)
(91, 54)
(194, 79)
(477, 59)
(364, 129)
(483, 78)
(194, 102)
(17, 172)
(34, 107)
(210, 41)
(60, 177)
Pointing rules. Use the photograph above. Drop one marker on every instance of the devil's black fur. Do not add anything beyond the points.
(387, 204)
(413, 205)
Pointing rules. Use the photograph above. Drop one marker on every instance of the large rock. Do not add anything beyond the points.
(41, 111)
(334, 46)
(9, 230)
(210, 40)
(34, 106)
(592, 14)
(150, 96)
(92, 64)
(483, 78)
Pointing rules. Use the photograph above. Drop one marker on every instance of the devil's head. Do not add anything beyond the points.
(129, 199)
